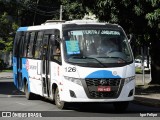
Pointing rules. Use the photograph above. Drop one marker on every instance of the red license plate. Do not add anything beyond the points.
(104, 89)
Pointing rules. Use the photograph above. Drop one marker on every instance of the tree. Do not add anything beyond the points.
(14, 13)
(139, 17)
(7, 29)
(73, 9)
(36, 12)
(8, 24)
(153, 18)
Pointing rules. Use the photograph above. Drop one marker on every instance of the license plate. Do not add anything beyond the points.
(104, 89)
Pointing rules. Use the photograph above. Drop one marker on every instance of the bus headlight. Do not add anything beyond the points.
(127, 80)
(74, 80)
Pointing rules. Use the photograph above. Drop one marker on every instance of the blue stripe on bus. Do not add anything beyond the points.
(102, 74)
(15, 71)
(25, 73)
(22, 29)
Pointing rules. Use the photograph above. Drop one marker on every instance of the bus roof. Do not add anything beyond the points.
(56, 24)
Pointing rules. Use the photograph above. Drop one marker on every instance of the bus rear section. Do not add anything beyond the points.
(95, 64)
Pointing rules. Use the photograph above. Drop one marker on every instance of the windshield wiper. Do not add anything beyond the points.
(84, 57)
(114, 57)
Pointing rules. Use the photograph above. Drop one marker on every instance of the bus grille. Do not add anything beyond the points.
(114, 83)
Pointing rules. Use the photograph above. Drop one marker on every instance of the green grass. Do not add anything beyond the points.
(6, 70)
(138, 70)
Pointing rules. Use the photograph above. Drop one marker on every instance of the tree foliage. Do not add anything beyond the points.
(8, 27)
(140, 17)
(72, 9)
(36, 12)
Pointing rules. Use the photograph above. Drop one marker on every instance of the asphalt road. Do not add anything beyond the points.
(12, 100)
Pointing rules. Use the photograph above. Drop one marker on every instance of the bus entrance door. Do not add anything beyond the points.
(45, 67)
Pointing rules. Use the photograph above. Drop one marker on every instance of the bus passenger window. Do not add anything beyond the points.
(56, 51)
(30, 46)
(26, 44)
(38, 45)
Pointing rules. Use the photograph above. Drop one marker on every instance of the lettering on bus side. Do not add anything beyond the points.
(32, 67)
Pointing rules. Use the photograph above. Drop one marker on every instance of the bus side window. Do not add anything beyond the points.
(56, 50)
(26, 44)
(30, 45)
(16, 40)
(21, 46)
(38, 45)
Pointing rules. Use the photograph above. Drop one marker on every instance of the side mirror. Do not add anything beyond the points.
(130, 38)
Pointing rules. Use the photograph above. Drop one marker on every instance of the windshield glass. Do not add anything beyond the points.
(96, 47)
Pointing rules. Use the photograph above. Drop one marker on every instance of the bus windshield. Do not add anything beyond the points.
(99, 47)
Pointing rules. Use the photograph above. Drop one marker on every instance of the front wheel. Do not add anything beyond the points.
(121, 106)
(59, 104)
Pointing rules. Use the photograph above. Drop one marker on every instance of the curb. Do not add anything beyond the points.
(147, 101)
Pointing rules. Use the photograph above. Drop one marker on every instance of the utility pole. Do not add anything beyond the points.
(143, 72)
(35, 12)
(60, 12)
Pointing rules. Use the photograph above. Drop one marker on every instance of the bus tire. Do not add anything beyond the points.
(53, 93)
(28, 94)
(59, 104)
(121, 106)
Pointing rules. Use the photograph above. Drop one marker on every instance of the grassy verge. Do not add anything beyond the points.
(138, 71)
(6, 71)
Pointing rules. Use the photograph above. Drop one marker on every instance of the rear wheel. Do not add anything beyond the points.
(59, 104)
(29, 95)
(121, 106)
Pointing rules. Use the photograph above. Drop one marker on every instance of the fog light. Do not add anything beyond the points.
(131, 93)
(72, 93)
